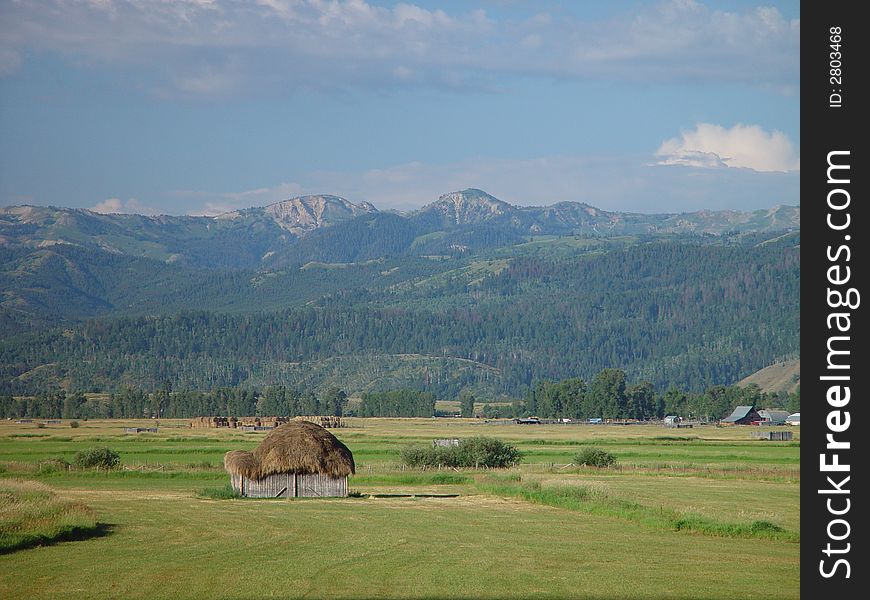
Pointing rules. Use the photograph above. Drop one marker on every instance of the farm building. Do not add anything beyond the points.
(742, 415)
(297, 459)
(782, 436)
(770, 416)
(793, 419)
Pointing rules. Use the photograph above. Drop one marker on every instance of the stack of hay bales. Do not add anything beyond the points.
(208, 422)
(273, 421)
(324, 421)
(237, 422)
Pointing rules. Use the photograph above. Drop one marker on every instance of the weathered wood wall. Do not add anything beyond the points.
(772, 435)
(285, 485)
(320, 485)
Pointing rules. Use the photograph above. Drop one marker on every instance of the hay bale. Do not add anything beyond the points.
(299, 447)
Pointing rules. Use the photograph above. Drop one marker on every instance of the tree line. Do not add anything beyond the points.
(608, 395)
(132, 403)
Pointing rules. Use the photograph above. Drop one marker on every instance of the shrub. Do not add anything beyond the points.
(487, 452)
(594, 457)
(74, 424)
(473, 452)
(101, 458)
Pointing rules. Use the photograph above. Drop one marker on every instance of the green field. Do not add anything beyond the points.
(682, 515)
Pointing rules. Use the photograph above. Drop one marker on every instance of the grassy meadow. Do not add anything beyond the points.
(683, 514)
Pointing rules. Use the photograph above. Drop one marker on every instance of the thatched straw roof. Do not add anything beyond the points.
(295, 447)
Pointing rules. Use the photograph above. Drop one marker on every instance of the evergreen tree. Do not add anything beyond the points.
(466, 404)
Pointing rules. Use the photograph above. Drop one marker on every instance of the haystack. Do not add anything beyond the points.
(303, 451)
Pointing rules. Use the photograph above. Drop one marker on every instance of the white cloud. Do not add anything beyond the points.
(118, 206)
(206, 48)
(746, 146)
(108, 206)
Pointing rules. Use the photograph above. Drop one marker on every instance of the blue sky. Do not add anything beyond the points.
(202, 106)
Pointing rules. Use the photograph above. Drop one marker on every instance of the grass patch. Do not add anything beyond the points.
(133, 474)
(32, 515)
(596, 502)
(506, 477)
(667, 508)
(225, 492)
(412, 479)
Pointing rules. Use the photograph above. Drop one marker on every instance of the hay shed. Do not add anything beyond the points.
(297, 459)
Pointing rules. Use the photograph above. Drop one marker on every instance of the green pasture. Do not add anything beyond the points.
(679, 516)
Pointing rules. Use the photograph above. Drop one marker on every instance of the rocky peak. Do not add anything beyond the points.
(303, 214)
(469, 206)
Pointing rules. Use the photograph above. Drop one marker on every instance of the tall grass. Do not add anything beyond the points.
(596, 502)
(32, 515)
(411, 479)
(225, 492)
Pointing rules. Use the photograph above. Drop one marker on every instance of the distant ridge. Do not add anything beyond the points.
(312, 227)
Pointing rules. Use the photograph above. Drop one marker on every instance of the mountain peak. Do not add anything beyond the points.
(471, 195)
(303, 214)
(466, 207)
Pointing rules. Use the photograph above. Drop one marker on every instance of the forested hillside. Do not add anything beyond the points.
(677, 311)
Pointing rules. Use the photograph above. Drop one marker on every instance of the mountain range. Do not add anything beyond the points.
(298, 229)
(467, 293)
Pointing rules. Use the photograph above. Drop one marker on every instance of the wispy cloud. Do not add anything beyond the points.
(130, 206)
(217, 47)
(745, 146)
(215, 203)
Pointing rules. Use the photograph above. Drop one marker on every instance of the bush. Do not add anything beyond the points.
(487, 452)
(74, 424)
(101, 458)
(473, 452)
(594, 457)
(422, 456)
